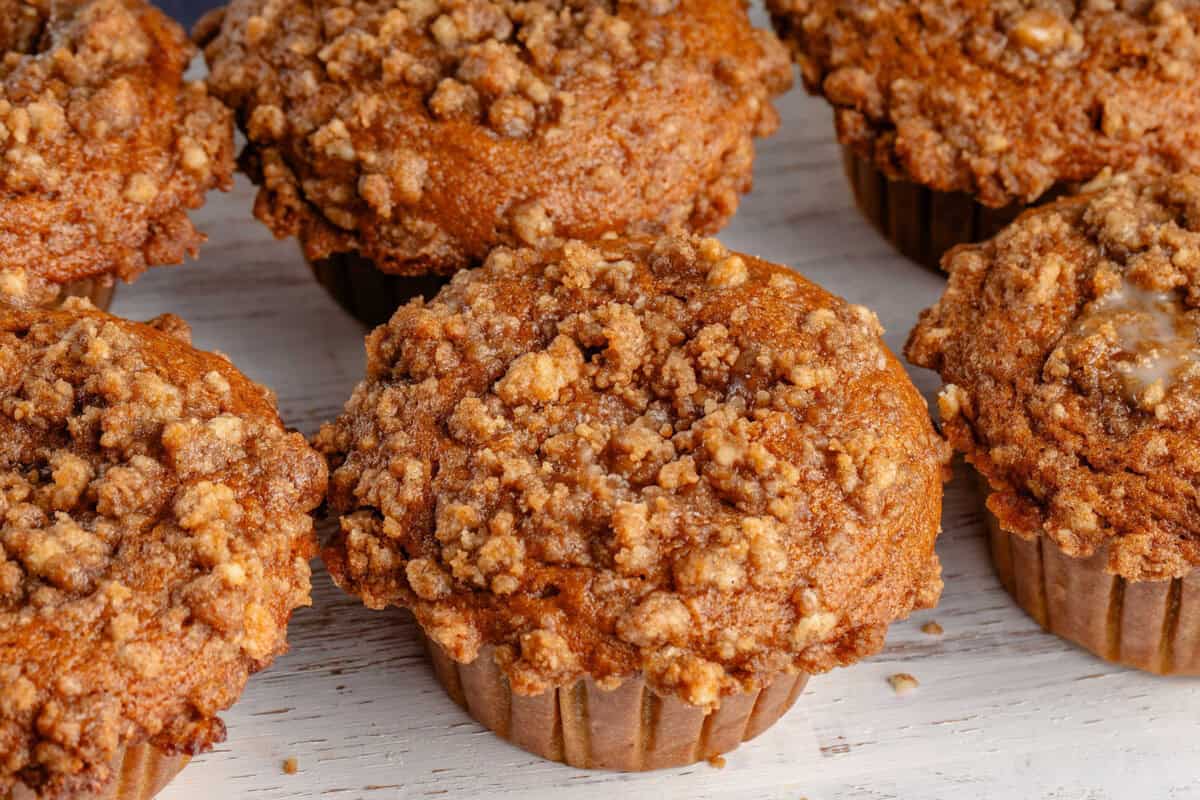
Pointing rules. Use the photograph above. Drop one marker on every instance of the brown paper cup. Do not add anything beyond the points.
(371, 296)
(630, 728)
(1148, 625)
(98, 290)
(922, 224)
(140, 773)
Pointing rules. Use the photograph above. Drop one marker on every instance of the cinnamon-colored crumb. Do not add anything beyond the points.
(903, 684)
(717, 762)
(1004, 99)
(291, 765)
(614, 458)
(1070, 351)
(932, 629)
(103, 146)
(154, 540)
(423, 134)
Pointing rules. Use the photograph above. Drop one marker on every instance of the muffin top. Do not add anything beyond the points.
(1070, 345)
(1004, 98)
(103, 146)
(629, 456)
(154, 541)
(423, 133)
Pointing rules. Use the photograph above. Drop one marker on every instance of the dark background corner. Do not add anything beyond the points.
(187, 11)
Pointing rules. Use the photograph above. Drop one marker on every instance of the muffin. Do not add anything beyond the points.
(634, 493)
(410, 139)
(1070, 348)
(154, 540)
(103, 147)
(955, 115)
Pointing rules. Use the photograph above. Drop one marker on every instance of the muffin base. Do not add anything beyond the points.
(371, 296)
(140, 773)
(144, 771)
(630, 728)
(1148, 625)
(921, 223)
(98, 290)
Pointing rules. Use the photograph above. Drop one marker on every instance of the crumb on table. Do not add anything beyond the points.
(903, 683)
(290, 765)
(932, 628)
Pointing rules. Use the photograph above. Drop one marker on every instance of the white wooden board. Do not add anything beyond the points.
(1003, 711)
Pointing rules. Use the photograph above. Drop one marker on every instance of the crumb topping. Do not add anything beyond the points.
(903, 684)
(103, 146)
(423, 133)
(154, 540)
(1004, 99)
(1069, 346)
(633, 456)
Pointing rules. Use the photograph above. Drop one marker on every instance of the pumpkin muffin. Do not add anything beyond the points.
(413, 138)
(635, 492)
(1070, 348)
(154, 540)
(956, 114)
(103, 147)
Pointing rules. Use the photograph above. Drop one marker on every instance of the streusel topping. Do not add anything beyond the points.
(103, 146)
(628, 456)
(1070, 346)
(1004, 98)
(425, 132)
(154, 540)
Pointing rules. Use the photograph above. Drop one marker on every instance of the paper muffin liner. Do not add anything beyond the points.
(98, 290)
(922, 223)
(1148, 625)
(141, 772)
(370, 296)
(630, 728)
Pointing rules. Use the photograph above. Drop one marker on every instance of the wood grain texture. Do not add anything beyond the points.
(1003, 711)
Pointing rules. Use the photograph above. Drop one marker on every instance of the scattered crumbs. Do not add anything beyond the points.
(290, 765)
(903, 683)
(932, 628)
(717, 761)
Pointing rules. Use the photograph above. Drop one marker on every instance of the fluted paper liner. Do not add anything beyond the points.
(141, 772)
(370, 296)
(922, 223)
(630, 728)
(98, 290)
(1148, 625)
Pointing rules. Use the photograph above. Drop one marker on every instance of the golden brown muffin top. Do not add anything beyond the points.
(103, 146)
(629, 456)
(1004, 98)
(426, 132)
(154, 540)
(1070, 346)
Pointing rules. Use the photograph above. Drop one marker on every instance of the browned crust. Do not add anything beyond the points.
(1037, 402)
(103, 146)
(154, 540)
(635, 456)
(996, 99)
(421, 145)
